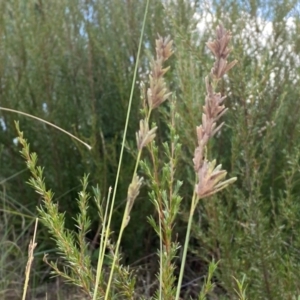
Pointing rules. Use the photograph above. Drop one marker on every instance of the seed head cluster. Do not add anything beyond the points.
(210, 177)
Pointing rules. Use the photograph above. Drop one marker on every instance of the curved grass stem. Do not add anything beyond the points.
(48, 123)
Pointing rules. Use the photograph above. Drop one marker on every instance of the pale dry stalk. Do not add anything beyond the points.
(210, 177)
(157, 93)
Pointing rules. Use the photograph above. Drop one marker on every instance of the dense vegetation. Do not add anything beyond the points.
(72, 63)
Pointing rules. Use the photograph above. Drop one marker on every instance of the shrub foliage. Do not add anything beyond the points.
(72, 62)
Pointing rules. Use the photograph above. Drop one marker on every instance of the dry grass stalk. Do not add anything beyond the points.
(209, 177)
(31, 248)
(145, 136)
(157, 92)
(219, 48)
(133, 192)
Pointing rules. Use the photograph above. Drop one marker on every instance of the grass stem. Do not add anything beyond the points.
(186, 244)
(121, 156)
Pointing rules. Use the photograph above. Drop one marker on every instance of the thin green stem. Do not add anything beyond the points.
(123, 225)
(160, 260)
(137, 162)
(186, 243)
(102, 247)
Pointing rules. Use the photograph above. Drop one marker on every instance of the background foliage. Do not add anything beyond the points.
(71, 63)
